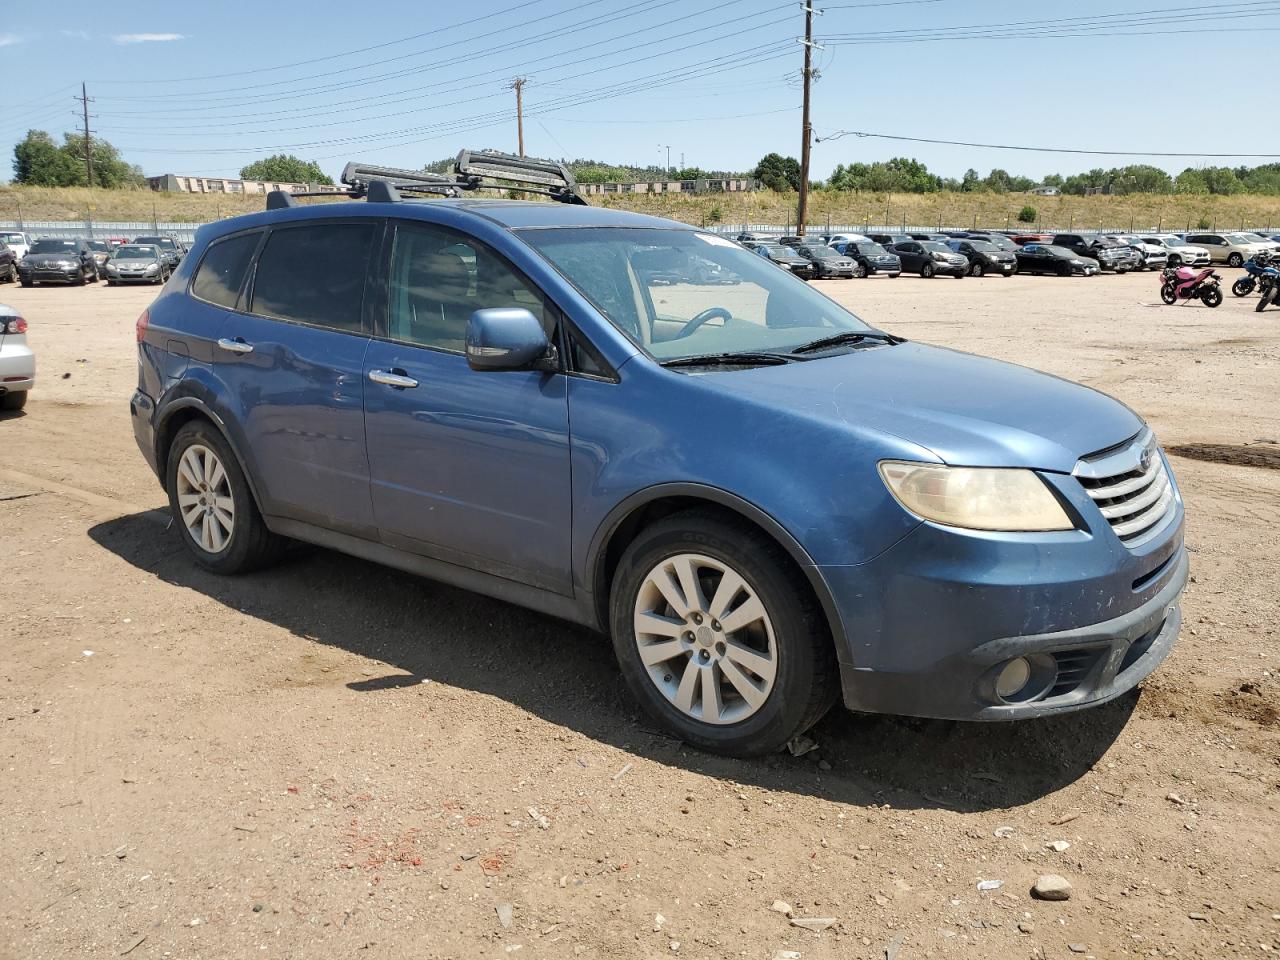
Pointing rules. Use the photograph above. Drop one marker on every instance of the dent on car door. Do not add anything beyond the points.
(467, 466)
(294, 363)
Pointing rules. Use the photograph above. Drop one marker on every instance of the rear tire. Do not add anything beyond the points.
(977, 270)
(1064, 270)
(1212, 297)
(28, 283)
(212, 506)
(14, 400)
(784, 653)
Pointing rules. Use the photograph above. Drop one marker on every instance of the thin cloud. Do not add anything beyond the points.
(78, 34)
(9, 39)
(148, 37)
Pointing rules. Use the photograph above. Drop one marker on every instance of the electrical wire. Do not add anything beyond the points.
(840, 134)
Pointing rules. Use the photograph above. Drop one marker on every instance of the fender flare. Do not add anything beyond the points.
(189, 402)
(597, 551)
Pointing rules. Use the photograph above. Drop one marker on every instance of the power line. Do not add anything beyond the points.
(840, 134)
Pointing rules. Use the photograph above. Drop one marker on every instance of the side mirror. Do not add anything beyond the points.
(508, 338)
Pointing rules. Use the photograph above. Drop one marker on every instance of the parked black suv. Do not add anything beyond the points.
(1110, 256)
(985, 257)
(59, 261)
(871, 258)
(929, 257)
(8, 264)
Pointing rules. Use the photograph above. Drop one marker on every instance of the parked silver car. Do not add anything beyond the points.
(17, 362)
(136, 263)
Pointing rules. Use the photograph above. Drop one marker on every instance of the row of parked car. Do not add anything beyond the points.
(975, 253)
(148, 259)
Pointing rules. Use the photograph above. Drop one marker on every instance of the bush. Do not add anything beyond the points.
(1204, 224)
(715, 214)
(1027, 215)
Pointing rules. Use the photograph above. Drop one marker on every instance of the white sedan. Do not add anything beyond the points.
(17, 362)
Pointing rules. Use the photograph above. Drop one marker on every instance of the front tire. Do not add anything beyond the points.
(211, 504)
(927, 271)
(1168, 294)
(719, 637)
(1243, 287)
(977, 270)
(1235, 260)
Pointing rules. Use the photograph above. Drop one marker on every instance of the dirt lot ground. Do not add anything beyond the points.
(332, 759)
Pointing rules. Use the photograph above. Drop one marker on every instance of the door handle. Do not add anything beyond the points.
(235, 346)
(392, 379)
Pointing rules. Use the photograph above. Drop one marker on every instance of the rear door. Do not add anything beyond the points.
(468, 467)
(293, 361)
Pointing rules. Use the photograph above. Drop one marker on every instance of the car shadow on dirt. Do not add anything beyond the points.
(422, 630)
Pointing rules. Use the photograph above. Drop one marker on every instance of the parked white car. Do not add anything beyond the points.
(17, 362)
(835, 238)
(19, 243)
(1233, 249)
(1265, 241)
(1180, 252)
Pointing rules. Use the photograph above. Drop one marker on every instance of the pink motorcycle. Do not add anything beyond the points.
(1183, 283)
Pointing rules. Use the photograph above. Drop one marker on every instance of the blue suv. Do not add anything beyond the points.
(766, 503)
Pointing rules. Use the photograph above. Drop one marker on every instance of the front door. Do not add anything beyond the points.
(294, 365)
(468, 467)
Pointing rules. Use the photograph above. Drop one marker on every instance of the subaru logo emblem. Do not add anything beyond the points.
(1144, 462)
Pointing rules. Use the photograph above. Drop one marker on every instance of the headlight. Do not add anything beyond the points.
(976, 498)
(153, 268)
(111, 268)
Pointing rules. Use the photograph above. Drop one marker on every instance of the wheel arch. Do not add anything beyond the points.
(183, 411)
(625, 521)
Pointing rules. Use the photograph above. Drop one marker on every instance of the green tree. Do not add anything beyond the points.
(38, 162)
(778, 172)
(971, 182)
(1222, 180)
(1191, 181)
(285, 168)
(109, 170)
(998, 181)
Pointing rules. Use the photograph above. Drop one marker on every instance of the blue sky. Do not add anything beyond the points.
(203, 88)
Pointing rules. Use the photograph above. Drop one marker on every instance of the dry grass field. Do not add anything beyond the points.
(991, 210)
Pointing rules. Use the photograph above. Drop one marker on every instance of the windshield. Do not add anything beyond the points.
(628, 272)
(13, 238)
(871, 249)
(1056, 251)
(983, 246)
(776, 250)
(817, 250)
(97, 245)
(54, 246)
(134, 252)
(157, 241)
(1239, 238)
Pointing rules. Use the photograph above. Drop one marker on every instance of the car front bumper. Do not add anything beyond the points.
(930, 623)
(17, 367)
(49, 274)
(133, 277)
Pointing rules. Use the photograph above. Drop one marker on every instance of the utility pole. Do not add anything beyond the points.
(518, 86)
(667, 169)
(88, 143)
(802, 209)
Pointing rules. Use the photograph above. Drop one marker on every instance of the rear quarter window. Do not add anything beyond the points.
(221, 272)
(315, 274)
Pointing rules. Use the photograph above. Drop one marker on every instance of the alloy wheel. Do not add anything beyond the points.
(204, 498)
(705, 639)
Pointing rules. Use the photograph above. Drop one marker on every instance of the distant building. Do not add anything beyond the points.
(1044, 190)
(172, 183)
(708, 185)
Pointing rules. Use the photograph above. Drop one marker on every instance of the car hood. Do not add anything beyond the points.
(39, 259)
(134, 264)
(966, 409)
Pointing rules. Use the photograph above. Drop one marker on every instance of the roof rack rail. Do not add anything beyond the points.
(472, 170)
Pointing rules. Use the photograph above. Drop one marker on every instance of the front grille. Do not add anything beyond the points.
(1133, 499)
(1073, 666)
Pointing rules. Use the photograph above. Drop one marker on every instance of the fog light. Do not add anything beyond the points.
(1013, 678)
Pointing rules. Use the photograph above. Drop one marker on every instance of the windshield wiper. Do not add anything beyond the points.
(741, 359)
(849, 336)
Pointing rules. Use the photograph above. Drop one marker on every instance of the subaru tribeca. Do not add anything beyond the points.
(765, 502)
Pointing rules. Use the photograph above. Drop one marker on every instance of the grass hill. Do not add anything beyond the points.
(1143, 211)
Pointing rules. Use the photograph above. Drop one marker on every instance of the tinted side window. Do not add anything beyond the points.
(439, 278)
(315, 274)
(221, 272)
